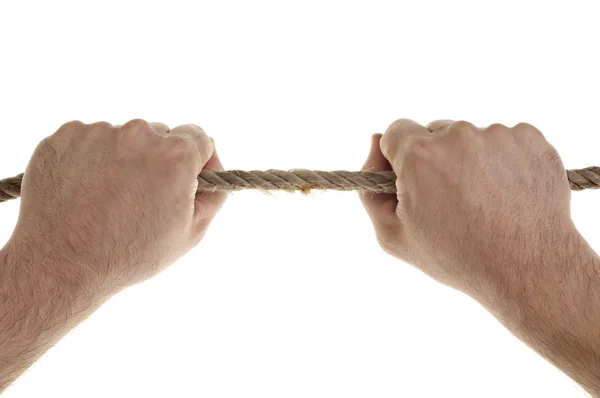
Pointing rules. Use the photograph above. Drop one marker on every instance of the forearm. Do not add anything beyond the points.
(556, 311)
(36, 310)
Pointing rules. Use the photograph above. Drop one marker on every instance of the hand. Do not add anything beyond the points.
(486, 211)
(475, 207)
(107, 207)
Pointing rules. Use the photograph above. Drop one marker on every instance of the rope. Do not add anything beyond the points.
(305, 180)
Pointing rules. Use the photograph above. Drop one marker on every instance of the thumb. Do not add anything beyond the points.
(381, 208)
(207, 204)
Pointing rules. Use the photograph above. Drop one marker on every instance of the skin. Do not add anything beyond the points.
(485, 211)
(102, 208)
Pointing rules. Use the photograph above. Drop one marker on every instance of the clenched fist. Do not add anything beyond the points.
(110, 206)
(472, 203)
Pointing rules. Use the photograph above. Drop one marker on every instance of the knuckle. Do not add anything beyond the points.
(466, 136)
(193, 128)
(398, 124)
(420, 150)
(500, 133)
(179, 149)
(523, 126)
(101, 125)
(527, 131)
(136, 137)
(136, 125)
(439, 124)
(71, 128)
(463, 128)
(497, 128)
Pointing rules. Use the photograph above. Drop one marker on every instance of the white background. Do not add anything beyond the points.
(289, 295)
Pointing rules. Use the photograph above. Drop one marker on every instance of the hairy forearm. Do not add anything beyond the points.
(36, 310)
(556, 310)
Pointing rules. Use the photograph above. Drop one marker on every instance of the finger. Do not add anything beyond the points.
(397, 137)
(160, 128)
(209, 203)
(440, 126)
(211, 200)
(381, 208)
(199, 137)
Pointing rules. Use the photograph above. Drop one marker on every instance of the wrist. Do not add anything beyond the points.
(37, 309)
(41, 278)
(536, 268)
(554, 306)
(555, 285)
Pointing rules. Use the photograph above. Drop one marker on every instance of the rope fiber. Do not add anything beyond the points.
(306, 180)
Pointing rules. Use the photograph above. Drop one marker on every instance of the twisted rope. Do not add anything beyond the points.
(305, 180)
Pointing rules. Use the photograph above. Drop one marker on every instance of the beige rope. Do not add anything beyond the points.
(305, 180)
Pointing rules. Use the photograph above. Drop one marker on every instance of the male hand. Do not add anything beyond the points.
(106, 207)
(472, 204)
(487, 211)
